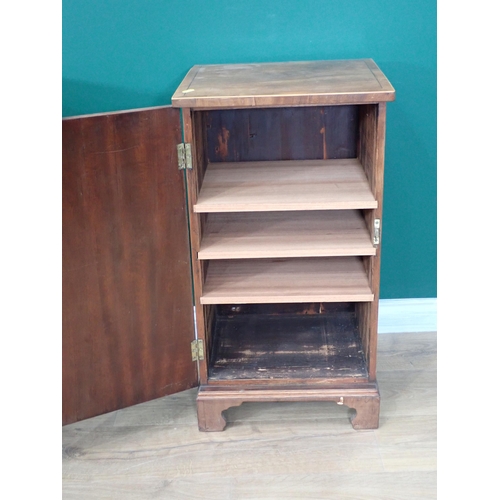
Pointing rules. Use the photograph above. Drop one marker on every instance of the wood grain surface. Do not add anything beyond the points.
(285, 185)
(338, 279)
(127, 308)
(303, 83)
(287, 346)
(260, 134)
(268, 451)
(285, 234)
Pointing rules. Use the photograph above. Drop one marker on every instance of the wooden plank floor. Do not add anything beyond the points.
(269, 450)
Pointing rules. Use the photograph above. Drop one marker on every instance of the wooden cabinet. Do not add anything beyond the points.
(283, 167)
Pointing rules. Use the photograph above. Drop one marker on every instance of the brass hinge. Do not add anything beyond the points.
(184, 157)
(197, 350)
(376, 232)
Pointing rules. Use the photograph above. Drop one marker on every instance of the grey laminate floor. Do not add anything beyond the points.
(268, 450)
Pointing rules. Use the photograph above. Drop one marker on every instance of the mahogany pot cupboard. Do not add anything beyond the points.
(230, 241)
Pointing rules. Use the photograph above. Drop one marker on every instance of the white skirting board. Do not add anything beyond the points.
(407, 315)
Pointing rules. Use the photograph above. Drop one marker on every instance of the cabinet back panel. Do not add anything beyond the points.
(309, 133)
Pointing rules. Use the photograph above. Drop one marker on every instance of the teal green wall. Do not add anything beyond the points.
(123, 54)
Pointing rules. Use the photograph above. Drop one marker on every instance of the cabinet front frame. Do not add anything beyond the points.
(370, 151)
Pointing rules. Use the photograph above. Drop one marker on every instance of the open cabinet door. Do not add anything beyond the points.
(127, 297)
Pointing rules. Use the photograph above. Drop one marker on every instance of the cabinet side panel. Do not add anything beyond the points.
(193, 134)
(209, 311)
(127, 306)
(363, 315)
(378, 186)
(367, 139)
(372, 122)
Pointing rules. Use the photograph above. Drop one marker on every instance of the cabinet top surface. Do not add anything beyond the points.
(305, 83)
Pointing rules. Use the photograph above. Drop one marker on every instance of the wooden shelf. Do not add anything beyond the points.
(285, 185)
(285, 234)
(337, 279)
(262, 346)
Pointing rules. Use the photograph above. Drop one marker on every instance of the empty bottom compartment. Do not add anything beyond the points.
(296, 341)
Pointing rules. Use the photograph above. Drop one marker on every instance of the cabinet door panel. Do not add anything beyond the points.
(127, 303)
